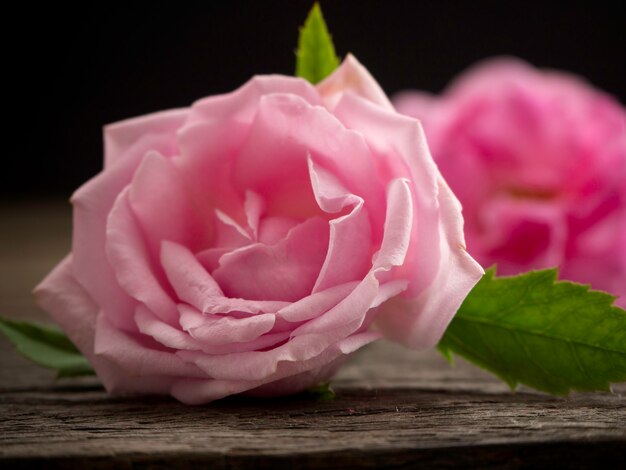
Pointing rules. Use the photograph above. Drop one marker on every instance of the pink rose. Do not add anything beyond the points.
(246, 244)
(538, 160)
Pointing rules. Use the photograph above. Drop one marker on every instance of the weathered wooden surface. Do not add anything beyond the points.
(394, 408)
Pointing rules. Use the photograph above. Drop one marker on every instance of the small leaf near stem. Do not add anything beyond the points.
(47, 346)
(315, 57)
(322, 392)
(554, 336)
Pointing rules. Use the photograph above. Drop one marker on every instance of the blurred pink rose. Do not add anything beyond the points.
(246, 244)
(538, 160)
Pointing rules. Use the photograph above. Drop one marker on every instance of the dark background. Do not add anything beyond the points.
(69, 71)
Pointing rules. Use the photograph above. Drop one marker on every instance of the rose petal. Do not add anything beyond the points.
(306, 342)
(284, 381)
(316, 304)
(302, 380)
(388, 290)
(428, 109)
(75, 312)
(69, 305)
(189, 279)
(351, 311)
(229, 233)
(293, 377)
(165, 334)
(194, 285)
(218, 330)
(419, 323)
(192, 319)
(274, 229)
(273, 161)
(155, 131)
(210, 258)
(207, 153)
(227, 305)
(521, 235)
(261, 367)
(398, 226)
(199, 392)
(350, 314)
(602, 244)
(92, 204)
(241, 104)
(352, 77)
(285, 271)
(254, 207)
(349, 247)
(164, 206)
(403, 141)
(136, 359)
(131, 262)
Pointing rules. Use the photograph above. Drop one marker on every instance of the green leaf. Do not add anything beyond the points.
(46, 346)
(315, 58)
(322, 392)
(555, 336)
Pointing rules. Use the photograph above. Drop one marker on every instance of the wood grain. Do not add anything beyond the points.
(394, 408)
